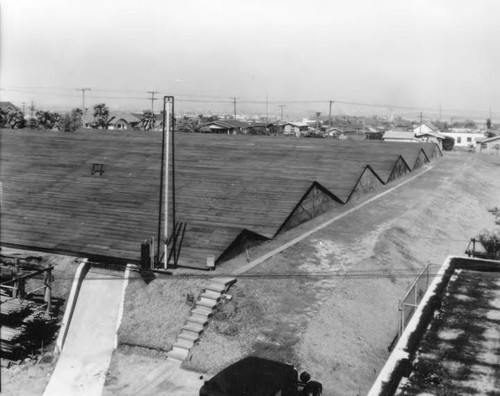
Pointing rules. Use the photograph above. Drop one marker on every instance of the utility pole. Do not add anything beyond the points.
(281, 107)
(24, 107)
(84, 109)
(420, 130)
(166, 164)
(234, 107)
(330, 114)
(153, 100)
(439, 114)
(32, 109)
(267, 108)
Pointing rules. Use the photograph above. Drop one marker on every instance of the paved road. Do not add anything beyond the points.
(82, 365)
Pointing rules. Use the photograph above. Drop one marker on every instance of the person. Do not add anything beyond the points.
(312, 388)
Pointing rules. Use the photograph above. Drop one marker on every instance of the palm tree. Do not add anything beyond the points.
(101, 115)
(148, 120)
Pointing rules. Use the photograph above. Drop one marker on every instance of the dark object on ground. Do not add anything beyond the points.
(254, 376)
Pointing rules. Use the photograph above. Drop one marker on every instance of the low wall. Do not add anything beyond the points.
(399, 362)
(80, 274)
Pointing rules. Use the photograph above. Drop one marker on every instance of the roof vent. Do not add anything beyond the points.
(97, 168)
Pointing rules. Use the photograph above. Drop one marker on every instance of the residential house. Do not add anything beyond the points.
(262, 128)
(294, 128)
(465, 137)
(6, 106)
(425, 128)
(490, 145)
(225, 127)
(123, 121)
(431, 136)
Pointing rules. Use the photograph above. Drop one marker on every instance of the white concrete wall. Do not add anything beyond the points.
(464, 136)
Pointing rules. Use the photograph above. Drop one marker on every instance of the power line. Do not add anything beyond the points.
(153, 99)
(281, 107)
(84, 109)
(438, 110)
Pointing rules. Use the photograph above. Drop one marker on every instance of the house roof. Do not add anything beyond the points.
(429, 125)
(128, 117)
(399, 135)
(434, 134)
(226, 124)
(491, 139)
(223, 186)
(8, 105)
(297, 124)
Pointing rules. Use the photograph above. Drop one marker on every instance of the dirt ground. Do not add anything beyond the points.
(329, 303)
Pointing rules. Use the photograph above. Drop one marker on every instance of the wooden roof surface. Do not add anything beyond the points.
(224, 185)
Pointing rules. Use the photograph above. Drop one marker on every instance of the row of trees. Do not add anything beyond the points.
(47, 120)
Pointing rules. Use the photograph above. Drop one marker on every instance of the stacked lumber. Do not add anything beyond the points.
(23, 330)
(13, 308)
(12, 341)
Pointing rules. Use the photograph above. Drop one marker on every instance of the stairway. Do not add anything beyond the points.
(200, 314)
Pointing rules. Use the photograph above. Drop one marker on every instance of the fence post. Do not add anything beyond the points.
(145, 255)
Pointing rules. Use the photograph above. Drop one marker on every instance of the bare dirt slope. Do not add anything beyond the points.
(338, 321)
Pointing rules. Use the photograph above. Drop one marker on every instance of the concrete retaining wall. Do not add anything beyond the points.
(80, 274)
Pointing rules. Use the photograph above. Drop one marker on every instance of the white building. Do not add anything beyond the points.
(464, 137)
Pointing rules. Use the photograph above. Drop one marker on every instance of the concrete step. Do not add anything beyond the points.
(188, 335)
(225, 280)
(201, 310)
(193, 327)
(196, 318)
(208, 300)
(216, 287)
(211, 294)
(183, 344)
(205, 302)
(178, 354)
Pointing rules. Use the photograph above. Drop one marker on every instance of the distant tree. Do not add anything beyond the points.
(3, 117)
(488, 123)
(148, 120)
(48, 120)
(15, 119)
(469, 124)
(32, 123)
(448, 143)
(101, 115)
(72, 121)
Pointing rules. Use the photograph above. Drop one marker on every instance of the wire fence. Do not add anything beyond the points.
(409, 303)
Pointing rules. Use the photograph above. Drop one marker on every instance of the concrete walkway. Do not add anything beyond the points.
(82, 365)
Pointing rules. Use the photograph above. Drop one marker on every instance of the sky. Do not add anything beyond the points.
(396, 56)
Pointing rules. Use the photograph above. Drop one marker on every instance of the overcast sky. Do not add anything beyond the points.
(420, 54)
